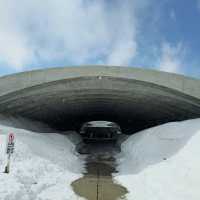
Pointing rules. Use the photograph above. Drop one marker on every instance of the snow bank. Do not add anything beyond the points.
(42, 166)
(162, 162)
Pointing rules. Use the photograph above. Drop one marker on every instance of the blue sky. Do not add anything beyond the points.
(161, 35)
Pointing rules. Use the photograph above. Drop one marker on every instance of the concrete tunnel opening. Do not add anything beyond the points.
(66, 98)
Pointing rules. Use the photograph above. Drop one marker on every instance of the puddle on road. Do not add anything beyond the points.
(97, 182)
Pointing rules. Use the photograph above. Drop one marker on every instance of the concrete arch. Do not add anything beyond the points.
(67, 97)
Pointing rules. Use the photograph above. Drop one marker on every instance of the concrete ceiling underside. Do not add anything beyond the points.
(67, 103)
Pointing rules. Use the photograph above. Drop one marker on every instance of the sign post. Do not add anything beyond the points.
(10, 150)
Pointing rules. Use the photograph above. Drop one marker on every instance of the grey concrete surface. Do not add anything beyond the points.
(68, 96)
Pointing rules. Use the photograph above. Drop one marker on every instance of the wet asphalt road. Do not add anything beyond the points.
(97, 182)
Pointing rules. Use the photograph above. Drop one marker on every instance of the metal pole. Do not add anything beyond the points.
(7, 168)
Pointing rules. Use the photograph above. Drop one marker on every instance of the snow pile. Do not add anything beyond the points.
(42, 166)
(162, 162)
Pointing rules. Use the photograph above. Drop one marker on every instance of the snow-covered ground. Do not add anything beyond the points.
(158, 163)
(162, 162)
(42, 167)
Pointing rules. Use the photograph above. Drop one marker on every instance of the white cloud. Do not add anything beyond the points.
(76, 31)
(171, 57)
(122, 53)
(13, 45)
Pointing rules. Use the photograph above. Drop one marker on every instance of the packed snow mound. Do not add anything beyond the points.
(162, 162)
(43, 166)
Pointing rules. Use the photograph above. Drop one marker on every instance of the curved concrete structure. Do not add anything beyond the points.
(67, 97)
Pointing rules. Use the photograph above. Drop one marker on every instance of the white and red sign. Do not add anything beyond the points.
(11, 138)
(10, 145)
